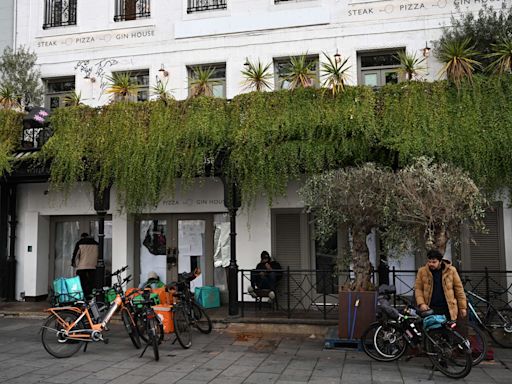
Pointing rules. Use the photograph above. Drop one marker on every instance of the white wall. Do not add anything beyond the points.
(6, 24)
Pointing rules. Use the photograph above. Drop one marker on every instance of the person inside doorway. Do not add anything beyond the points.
(152, 282)
(265, 277)
(85, 258)
(438, 287)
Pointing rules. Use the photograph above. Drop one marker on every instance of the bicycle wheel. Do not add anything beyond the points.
(182, 327)
(153, 337)
(384, 342)
(500, 327)
(448, 352)
(141, 327)
(53, 337)
(131, 328)
(200, 318)
(477, 340)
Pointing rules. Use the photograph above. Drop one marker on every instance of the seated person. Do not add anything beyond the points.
(152, 282)
(265, 276)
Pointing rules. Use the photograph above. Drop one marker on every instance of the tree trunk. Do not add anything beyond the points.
(440, 239)
(361, 262)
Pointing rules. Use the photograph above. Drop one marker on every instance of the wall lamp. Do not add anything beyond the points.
(426, 50)
(247, 64)
(92, 79)
(163, 72)
(337, 57)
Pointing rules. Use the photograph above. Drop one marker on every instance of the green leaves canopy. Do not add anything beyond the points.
(270, 138)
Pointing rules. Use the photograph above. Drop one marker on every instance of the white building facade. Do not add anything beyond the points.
(81, 43)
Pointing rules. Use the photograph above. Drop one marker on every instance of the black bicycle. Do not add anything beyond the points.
(151, 325)
(389, 338)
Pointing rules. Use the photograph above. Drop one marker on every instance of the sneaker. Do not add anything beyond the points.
(271, 295)
(251, 291)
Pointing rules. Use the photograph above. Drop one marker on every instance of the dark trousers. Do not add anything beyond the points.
(266, 281)
(441, 311)
(87, 277)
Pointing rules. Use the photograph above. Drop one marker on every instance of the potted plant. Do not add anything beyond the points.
(335, 73)
(501, 58)
(458, 57)
(122, 86)
(410, 65)
(256, 76)
(300, 72)
(201, 83)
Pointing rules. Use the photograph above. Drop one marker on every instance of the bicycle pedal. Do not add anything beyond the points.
(106, 340)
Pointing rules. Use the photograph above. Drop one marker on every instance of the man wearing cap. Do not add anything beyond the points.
(265, 276)
(438, 286)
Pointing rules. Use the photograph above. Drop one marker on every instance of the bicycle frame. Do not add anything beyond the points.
(489, 309)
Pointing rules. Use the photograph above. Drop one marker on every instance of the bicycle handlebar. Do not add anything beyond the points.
(119, 271)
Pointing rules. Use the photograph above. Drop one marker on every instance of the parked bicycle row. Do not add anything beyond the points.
(147, 314)
(452, 347)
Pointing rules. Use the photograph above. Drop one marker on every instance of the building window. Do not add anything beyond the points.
(59, 13)
(132, 9)
(378, 68)
(283, 69)
(139, 78)
(56, 91)
(207, 80)
(205, 5)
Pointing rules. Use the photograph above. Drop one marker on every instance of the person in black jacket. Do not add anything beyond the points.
(265, 276)
(85, 258)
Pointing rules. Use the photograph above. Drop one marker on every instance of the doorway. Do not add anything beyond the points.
(176, 243)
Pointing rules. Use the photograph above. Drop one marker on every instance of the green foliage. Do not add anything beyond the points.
(300, 72)
(201, 83)
(489, 27)
(335, 74)
(501, 57)
(8, 97)
(10, 134)
(73, 99)
(257, 76)
(122, 86)
(458, 60)
(141, 147)
(18, 72)
(280, 136)
(410, 65)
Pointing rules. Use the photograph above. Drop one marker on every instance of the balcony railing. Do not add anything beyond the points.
(205, 5)
(132, 9)
(59, 13)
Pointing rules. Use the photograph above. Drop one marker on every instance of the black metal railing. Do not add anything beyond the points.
(59, 13)
(132, 9)
(205, 5)
(314, 294)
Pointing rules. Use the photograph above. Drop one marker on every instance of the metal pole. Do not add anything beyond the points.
(288, 291)
(233, 267)
(11, 258)
(100, 266)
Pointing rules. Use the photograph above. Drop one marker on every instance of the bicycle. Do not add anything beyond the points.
(68, 328)
(497, 322)
(153, 329)
(389, 338)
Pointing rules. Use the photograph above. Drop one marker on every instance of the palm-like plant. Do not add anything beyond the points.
(300, 72)
(8, 97)
(410, 65)
(335, 74)
(257, 76)
(502, 57)
(161, 92)
(201, 83)
(73, 99)
(457, 56)
(122, 86)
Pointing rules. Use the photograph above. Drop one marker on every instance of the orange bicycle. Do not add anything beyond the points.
(68, 328)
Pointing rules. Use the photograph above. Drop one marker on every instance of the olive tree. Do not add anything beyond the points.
(356, 197)
(19, 74)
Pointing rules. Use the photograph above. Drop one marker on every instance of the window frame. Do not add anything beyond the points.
(279, 80)
(380, 70)
(54, 19)
(219, 80)
(142, 10)
(59, 94)
(194, 6)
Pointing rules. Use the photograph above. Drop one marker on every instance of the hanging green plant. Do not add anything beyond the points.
(10, 136)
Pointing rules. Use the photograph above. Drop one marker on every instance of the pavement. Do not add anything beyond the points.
(227, 355)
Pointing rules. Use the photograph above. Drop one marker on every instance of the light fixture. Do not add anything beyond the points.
(426, 50)
(337, 56)
(247, 63)
(92, 79)
(163, 72)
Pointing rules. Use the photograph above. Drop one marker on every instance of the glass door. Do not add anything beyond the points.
(191, 249)
(153, 249)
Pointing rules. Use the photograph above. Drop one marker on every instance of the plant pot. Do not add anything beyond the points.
(357, 312)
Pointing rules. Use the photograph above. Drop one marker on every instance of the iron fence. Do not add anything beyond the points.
(132, 9)
(205, 5)
(314, 294)
(59, 13)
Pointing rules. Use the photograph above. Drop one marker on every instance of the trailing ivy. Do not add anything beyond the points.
(280, 136)
(469, 128)
(268, 139)
(10, 134)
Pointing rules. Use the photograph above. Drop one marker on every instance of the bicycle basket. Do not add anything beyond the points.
(433, 322)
